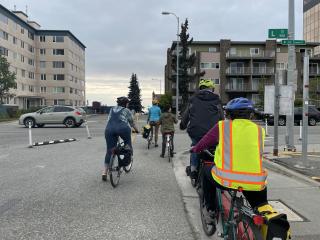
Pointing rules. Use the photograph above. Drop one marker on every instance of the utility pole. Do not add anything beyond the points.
(292, 78)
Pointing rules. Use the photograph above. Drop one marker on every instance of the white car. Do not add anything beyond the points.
(67, 115)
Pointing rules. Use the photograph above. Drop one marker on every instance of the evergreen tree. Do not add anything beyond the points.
(7, 79)
(186, 62)
(134, 94)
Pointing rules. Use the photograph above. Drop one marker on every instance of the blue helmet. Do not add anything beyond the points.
(239, 104)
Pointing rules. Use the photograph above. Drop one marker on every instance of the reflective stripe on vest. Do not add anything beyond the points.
(236, 162)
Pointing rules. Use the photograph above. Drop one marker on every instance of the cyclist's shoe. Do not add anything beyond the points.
(162, 155)
(171, 154)
(188, 170)
(104, 177)
(156, 145)
(193, 174)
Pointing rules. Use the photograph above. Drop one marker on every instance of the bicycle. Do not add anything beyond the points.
(169, 145)
(238, 220)
(117, 162)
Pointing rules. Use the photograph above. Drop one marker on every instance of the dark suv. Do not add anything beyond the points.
(313, 116)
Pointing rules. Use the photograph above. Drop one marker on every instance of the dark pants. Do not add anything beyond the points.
(164, 141)
(112, 133)
(194, 159)
(255, 198)
(155, 133)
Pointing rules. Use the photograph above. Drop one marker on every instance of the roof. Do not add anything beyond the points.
(13, 16)
(308, 4)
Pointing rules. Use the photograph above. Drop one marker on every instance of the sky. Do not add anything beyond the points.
(131, 36)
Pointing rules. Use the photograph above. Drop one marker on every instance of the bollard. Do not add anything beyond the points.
(300, 132)
(88, 132)
(266, 127)
(30, 136)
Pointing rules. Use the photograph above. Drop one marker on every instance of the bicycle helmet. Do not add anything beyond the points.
(122, 101)
(239, 104)
(206, 83)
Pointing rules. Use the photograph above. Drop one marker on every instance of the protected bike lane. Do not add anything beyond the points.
(289, 192)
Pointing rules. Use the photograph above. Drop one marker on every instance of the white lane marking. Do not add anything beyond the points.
(40, 166)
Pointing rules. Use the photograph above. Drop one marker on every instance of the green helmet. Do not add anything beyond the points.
(206, 83)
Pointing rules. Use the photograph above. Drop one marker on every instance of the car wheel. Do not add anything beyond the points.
(312, 122)
(282, 122)
(40, 125)
(69, 122)
(29, 121)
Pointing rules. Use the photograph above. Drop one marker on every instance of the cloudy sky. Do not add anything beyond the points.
(131, 36)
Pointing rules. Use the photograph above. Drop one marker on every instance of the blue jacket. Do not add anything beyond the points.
(154, 113)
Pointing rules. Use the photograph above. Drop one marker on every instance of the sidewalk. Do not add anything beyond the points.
(309, 168)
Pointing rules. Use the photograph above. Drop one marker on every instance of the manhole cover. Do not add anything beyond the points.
(282, 208)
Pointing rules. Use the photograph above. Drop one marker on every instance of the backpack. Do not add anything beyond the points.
(276, 225)
(146, 131)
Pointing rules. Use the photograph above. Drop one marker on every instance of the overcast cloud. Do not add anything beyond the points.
(127, 36)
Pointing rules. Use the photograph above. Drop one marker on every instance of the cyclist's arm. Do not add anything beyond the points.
(185, 118)
(209, 140)
(131, 121)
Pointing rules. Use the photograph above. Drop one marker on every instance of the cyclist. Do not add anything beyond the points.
(204, 110)
(238, 156)
(119, 124)
(167, 121)
(153, 119)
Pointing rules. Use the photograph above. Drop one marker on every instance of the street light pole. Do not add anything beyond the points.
(177, 51)
(160, 83)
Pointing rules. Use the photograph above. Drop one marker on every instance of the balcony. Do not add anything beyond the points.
(246, 87)
(245, 71)
(245, 54)
(313, 72)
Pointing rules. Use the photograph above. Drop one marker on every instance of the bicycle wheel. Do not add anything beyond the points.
(114, 170)
(128, 167)
(208, 225)
(245, 230)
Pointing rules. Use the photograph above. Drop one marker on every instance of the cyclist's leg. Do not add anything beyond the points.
(156, 134)
(256, 198)
(151, 132)
(194, 160)
(172, 145)
(209, 188)
(164, 141)
(125, 134)
(111, 140)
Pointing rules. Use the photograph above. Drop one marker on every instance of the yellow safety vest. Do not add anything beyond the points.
(238, 156)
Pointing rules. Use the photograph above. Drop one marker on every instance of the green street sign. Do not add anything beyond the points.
(293, 42)
(278, 33)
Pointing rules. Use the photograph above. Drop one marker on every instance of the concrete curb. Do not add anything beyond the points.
(270, 164)
(54, 142)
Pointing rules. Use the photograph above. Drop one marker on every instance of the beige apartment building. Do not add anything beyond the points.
(49, 64)
(242, 68)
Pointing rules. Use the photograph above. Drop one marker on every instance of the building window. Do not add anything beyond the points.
(22, 44)
(58, 39)
(58, 64)
(58, 77)
(43, 76)
(42, 64)
(59, 102)
(58, 90)
(210, 65)
(22, 30)
(43, 89)
(42, 51)
(3, 19)
(281, 66)
(31, 88)
(4, 51)
(31, 75)
(233, 51)
(30, 35)
(216, 81)
(71, 90)
(22, 58)
(14, 40)
(4, 35)
(31, 62)
(254, 51)
(212, 49)
(58, 51)
(23, 73)
(30, 48)
(42, 38)
(278, 50)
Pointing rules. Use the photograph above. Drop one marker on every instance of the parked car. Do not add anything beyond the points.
(313, 116)
(67, 115)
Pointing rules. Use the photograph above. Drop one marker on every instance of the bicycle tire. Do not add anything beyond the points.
(114, 171)
(245, 229)
(209, 229)
(128, 167)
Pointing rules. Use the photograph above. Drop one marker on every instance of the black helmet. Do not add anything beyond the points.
(122, 101)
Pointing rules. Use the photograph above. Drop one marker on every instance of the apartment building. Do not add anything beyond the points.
(49, 64)
(241, 68)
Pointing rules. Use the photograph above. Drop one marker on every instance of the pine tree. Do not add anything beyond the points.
(134, 94)
(7, 79)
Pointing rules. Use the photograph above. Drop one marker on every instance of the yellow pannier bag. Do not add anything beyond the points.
(276, 226)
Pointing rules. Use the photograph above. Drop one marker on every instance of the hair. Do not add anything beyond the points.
(166, 108)
(239, 114)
